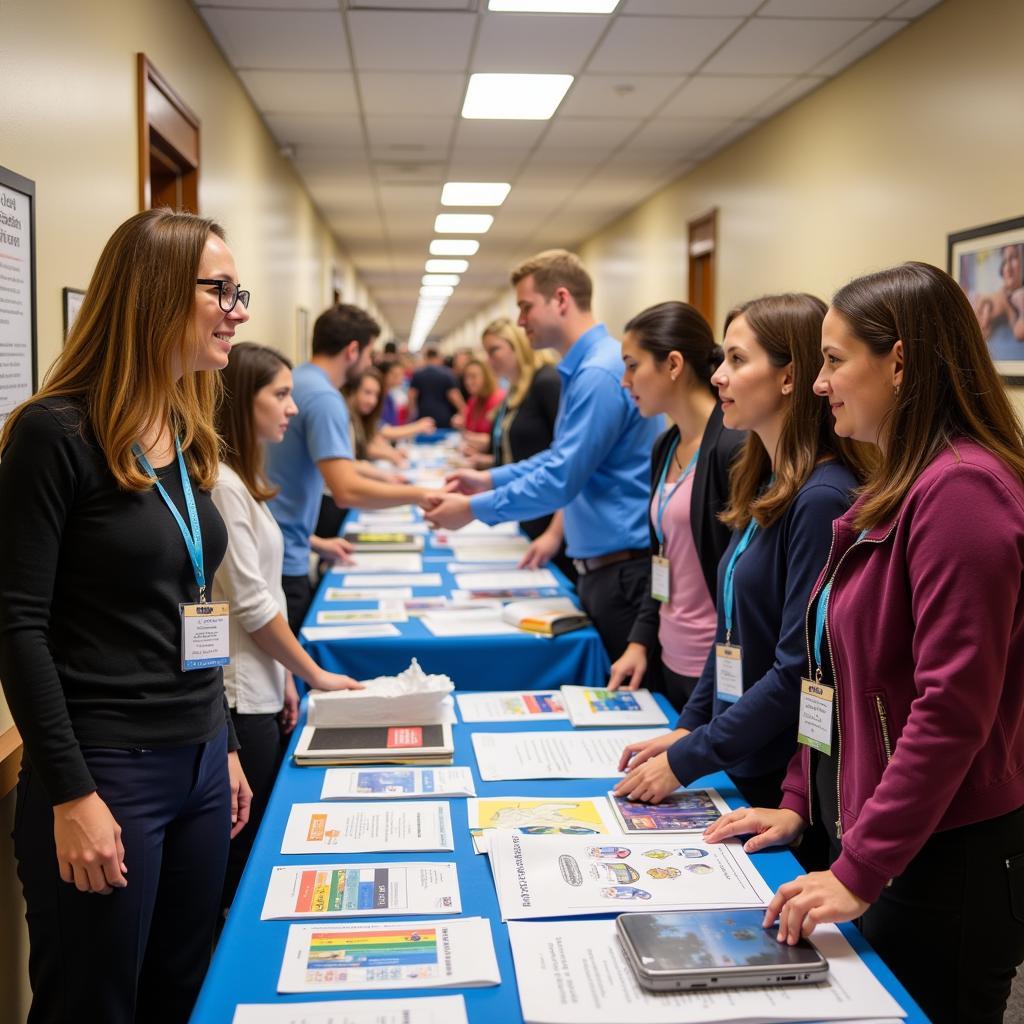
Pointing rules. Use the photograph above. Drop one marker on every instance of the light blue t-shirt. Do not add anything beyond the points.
(319, 431)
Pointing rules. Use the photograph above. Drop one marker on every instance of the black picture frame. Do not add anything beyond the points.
(988, 263)
(12, 182)
(70, 305)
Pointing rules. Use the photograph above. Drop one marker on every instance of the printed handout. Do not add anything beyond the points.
(574, 972)
(459, 568)
(476, 533)
(362, 890)
(467, 622)
(538, 816)
(565, 876)
(554, 755)
(512, 706)
(391, 612)
(389, 955)
(589, 707)
(389, 827)
(504, 595)
(345, 595)
(392, 783)
(422, 1010)
(372, 520)
(374, 562)
(516, 579)
(687, 810)
(355, 632)
(410, 579)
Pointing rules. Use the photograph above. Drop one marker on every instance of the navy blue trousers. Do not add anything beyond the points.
(140, 953)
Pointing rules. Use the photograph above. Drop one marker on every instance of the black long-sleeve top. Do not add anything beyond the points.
(91, 577)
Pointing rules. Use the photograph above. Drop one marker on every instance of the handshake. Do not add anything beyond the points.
(449, 508)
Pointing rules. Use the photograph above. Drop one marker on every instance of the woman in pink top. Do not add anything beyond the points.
(484, 398)
(669, 354)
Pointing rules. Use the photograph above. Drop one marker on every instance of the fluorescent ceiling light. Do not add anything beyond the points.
(436, 290)
(474, 193)
(514, 97)
(463, 223)
(554, 6)
(446, 266)
(446, 279)
(454, 247)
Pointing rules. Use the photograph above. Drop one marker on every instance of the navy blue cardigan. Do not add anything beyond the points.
(772, 584)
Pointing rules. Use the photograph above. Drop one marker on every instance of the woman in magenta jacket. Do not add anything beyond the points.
(912, 734)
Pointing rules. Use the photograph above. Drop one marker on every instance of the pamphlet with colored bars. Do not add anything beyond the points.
(362, 890)
(384, 540)
(376, 744)
(593, 706)
(512, 706)
(389, 955)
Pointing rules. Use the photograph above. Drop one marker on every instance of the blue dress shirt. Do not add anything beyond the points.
(598, 465)
(320, 430)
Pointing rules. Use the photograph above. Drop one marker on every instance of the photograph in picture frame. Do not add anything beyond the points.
(988, 263)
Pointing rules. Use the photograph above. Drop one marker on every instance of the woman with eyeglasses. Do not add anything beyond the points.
(254, 411)
(110, 649)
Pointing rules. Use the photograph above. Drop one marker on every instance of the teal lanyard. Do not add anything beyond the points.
(663, 501)
(496, 430)
(193, 537)
(822, 612)
(730, 569)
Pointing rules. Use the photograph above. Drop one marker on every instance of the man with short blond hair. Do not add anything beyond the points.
(557, 268)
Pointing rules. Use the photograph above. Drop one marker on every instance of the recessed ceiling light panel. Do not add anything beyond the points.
(514, 97)
(474, 193)
(454, 247)
(554, 6)
(446, 266)
(463, 223)
(430, 291)
(450, 280)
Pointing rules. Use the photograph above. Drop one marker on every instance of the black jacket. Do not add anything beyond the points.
(710, 494)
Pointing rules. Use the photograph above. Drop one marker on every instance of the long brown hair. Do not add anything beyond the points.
(135, 324)
(950, 388)
(364, 426)
(250, 368)
(788, 328)
(490, 383)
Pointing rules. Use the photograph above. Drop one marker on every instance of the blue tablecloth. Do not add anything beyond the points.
(501, 662)
(248, 957)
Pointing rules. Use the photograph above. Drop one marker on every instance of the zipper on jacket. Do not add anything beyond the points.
(883, 721)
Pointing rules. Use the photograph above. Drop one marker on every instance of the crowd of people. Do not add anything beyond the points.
(809, 538)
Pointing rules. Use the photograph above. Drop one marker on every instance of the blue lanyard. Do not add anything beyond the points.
(822, 612)
(659, 529)
(730, 569)
(496, 430)
(193, 537)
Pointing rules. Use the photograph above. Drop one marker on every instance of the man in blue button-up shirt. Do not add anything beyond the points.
(598, 466)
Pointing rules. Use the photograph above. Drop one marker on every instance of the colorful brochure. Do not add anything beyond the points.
(396, 783)
(687, 810)
(512, 706)
(595, 707)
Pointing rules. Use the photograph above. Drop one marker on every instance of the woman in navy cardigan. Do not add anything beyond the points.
(792, 479)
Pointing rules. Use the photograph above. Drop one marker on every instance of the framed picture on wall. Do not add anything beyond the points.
(72, 304)
(988, 263)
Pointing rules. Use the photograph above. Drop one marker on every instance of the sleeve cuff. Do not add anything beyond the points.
(502, 475)
(794, 802)
(865, 883)
(482, 506)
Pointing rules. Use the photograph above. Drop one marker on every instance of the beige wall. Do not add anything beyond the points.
(68, 121)
(919, 139)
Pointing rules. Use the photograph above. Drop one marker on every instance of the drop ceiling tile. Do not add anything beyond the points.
(424, 199)
(692, 8)
(671, 45)
(420, 5)
(408, 95)
(586, 134)
(479, 134)
(678, 135)
(723, 95)
(730, 135)
(913, 8)
(783, 46)
(618, 96)
(537, 43)
(800, 88)
(301, 92)
(316, 129)
(409, 171)
(863, 44)
(287, 5)
(826, 8)
(410, 41)
(432, 132)
(304, 40)
(485, 164)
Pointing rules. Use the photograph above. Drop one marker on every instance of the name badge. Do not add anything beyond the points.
(728, 672)
(661, 585)
(815, 726)
(205, 637)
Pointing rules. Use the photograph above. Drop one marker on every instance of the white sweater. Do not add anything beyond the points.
(250, 579)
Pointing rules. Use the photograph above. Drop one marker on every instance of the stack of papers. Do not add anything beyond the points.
(388, 611)
(562, 876)
(384, 783)
(516, 579)
(362, 890)
(505, 549)
(425, 1010)
(385, 562)
(476, 533)
(364, 581)
(375, 744)
(467, 622)
(388, 955)
(391, 827)
(357, 631)
(384, 540)
(382, 594)
(574, 972)
(549, 616)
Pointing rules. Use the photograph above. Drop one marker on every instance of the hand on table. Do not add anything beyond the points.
(629, 669)
(467, 481)
(541, 551)
(241, 794)
(290, 712)
(449, 512)
(333, 549)
(649, 783)
(635, 754)
(810, 900)
(89, 850)
(768, 826)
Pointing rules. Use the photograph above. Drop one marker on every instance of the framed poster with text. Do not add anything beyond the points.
(18, 365)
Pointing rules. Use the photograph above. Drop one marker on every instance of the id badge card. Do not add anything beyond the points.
(728, 672)
(661, 587)
(205, 636)
(815, 726)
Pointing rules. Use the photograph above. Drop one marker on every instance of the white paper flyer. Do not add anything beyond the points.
(387, 827)
(396, 783)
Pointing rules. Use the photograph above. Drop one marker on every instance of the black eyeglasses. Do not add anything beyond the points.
(228, 293)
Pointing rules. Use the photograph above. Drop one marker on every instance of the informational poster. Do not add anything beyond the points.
(17, 291)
